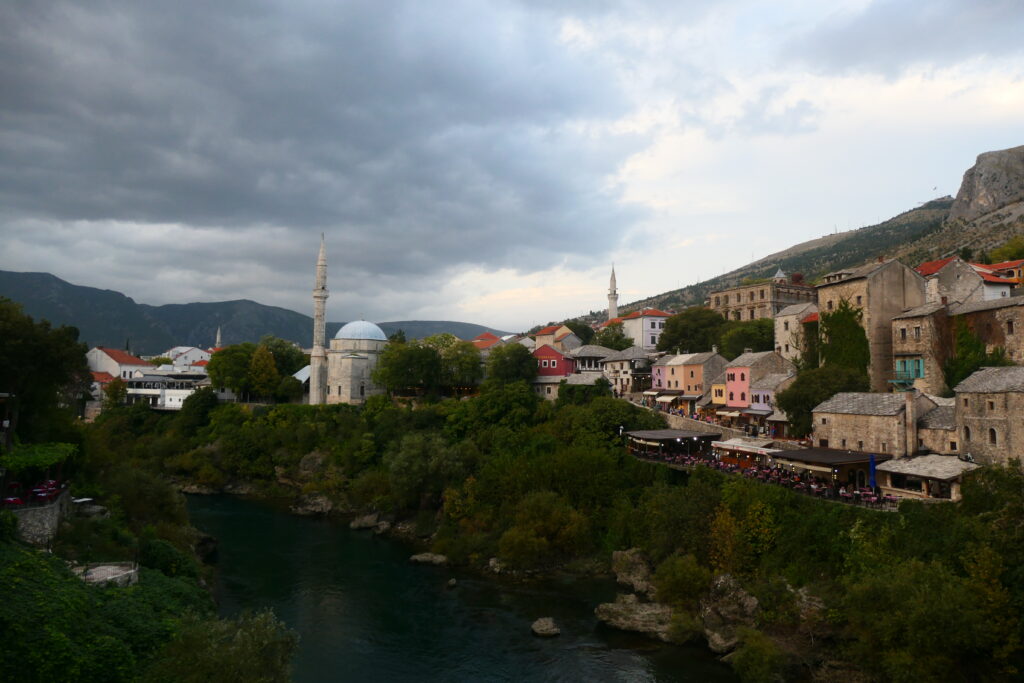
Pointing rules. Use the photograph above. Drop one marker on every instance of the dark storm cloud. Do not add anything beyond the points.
(418, 135)
(887, 36)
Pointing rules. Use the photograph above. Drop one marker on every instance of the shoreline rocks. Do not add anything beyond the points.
(366, 521)
(312, 505)
(633, 570)
(627, 613)
(435, 559)
(545, 628)
(726, 608)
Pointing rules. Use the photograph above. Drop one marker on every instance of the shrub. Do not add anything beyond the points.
(758, 658)
(680, 580)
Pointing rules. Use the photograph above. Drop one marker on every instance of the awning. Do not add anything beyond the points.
(727, 413)
(803, 465)
(651, 393)
(757, 411)
(665, 399)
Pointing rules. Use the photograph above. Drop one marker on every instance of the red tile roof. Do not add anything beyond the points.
(1005, 264)
(201, 363)
(989, 277)
(563, 335)
(646, 313)
(931, 267)
(810, 318)
(613, 321)
(485, 343)
(550, 329)
(102, 377)
(122, 357)
(485, 336)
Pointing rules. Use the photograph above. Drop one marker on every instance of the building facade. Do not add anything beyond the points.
(761, 300)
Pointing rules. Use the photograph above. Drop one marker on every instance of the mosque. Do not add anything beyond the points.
(341, 373)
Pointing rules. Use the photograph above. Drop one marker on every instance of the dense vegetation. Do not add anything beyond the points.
(932, 592)
(700, 329)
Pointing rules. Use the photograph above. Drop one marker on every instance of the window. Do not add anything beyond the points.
(554, 363)
(824, 420)
(785, 326)
(751, 313)
(654, 340)
(761, 294)
(743, 396)
(743, 377)
(716, 301)
(543, 363)
(362, 390)
(787, 348)
(328, 389)
(738, 298)
(965, 402)
(654, 325)
(858, 300)
(967, 433)
(992, 439)
(1009, 327)
(991, 405)
(751, 297)
(730, 395)
(549, 389)
(823, 443)
(828, 305)
(860, 445)
(903, 334)
(672, 371)
(952, 445)
(691, 373)
(917, 333)
(885, 447)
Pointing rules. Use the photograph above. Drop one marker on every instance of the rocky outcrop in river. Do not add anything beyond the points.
(627, 613)
(726, 608)
(633, 570)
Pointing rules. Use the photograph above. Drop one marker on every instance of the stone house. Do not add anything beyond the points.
(628, 371)
(957, 280)
(552, 367)
(924, 476)
(694, 372)
(997, 323)
(790, 338)
(936, 429)
(921, 343)
(761, 300)
(588, 357)
(862, 421)
(990, 414)
(882, 291)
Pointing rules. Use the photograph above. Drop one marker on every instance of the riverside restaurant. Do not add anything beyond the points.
(669, 444)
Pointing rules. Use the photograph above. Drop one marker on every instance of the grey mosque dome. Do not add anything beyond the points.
(361, 329)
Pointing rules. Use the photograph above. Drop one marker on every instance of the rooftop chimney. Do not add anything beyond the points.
(748, 350)
(881, 259)
(714, 348)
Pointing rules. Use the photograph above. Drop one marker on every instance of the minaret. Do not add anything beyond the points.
(216, 344)
(613, 297)
(318, 358)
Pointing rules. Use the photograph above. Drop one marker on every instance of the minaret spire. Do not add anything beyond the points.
(318, 358)
(216, 343)
(613, 297)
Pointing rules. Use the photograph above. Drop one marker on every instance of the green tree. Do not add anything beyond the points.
(160, 360)
(263, 377)
(756, 335)
(582, 330)
(115, 394)
(44, 368)
(1011, 250)
(814, 386)
(546, 529)
(681, 580)
(229, 367)
(694, 330)
(613, 337)
(460, 360)
(289, 390)
(511, 363)
(969, 355)
(288, 358)
(844, 342)
(397, 337)
(408, 368)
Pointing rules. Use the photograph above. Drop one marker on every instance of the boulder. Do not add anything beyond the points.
(726, 608)
(315, 504)
(366, 521)
(633, 570)
(627, 613)
(311, 463)
(382, 528)
(452, 583)
(495, 566)
(545, 628)
(240, 488)
(197, 490)
(429, 558)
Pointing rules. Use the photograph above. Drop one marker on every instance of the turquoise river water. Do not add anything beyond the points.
(363, 613)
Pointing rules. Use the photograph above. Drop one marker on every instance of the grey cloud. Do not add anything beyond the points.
(418, 135)
(762, 116)
(889, 35)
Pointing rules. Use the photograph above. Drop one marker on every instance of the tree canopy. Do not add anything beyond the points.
(843, 340)
(613, 337)
(582, 330)
(694, 330)
(970, 355)
(811, 387)
(511, 363)
(756, 335)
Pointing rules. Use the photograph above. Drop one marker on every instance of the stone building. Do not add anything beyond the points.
(790, 337)
(879, 423)
(997, 323)
(761, 300)
(936, 429)
(351, 359)
(921, 343)
(628, 371)
(990, 414)
(956, 280)
(925, 476)
(882, 291)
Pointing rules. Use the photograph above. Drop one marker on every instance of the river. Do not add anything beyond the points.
(363, 613)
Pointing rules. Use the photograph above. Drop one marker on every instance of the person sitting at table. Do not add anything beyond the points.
(842, 490)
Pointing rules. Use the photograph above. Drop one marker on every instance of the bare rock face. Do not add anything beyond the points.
(429, 558)
(724, 610)
(996, 180)
(311, 463)
(633, 570)
(545, 628)
(627, 613)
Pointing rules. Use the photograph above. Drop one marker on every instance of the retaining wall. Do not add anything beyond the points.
(38, 525)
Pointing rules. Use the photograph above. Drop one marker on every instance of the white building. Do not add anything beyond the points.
(186, 356)
(351, 359)
(118, 364)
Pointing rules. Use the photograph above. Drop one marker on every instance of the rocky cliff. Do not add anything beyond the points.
(996, 180)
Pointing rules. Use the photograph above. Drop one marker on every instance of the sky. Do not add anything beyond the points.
(478, 161)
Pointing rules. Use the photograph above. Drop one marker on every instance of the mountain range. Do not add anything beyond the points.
(108, 318)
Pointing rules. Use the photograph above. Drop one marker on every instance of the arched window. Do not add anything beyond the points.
(730, 395)
(992, 439)
(743, 396)
(967, 433)
(743, 377)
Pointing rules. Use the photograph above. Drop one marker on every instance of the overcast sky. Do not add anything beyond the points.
(478, 161)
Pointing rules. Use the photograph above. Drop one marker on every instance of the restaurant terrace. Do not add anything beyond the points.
(669, 444)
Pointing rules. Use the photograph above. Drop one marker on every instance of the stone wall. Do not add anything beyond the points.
(991, 426)
(38, 525)
(868, 433)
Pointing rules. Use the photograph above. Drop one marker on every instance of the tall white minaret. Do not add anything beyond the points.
(318, 358)
(216, 344)
(613, 297)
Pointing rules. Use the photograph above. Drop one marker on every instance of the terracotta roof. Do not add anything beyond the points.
(102, 377)
(540, 350)
(989, 277)
(485, 343)
(485, 336)
(202, 363)
(647, 312)
(122, 357)
(810, 318)
(931, 267)
(1005, 264)
(550, 329)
